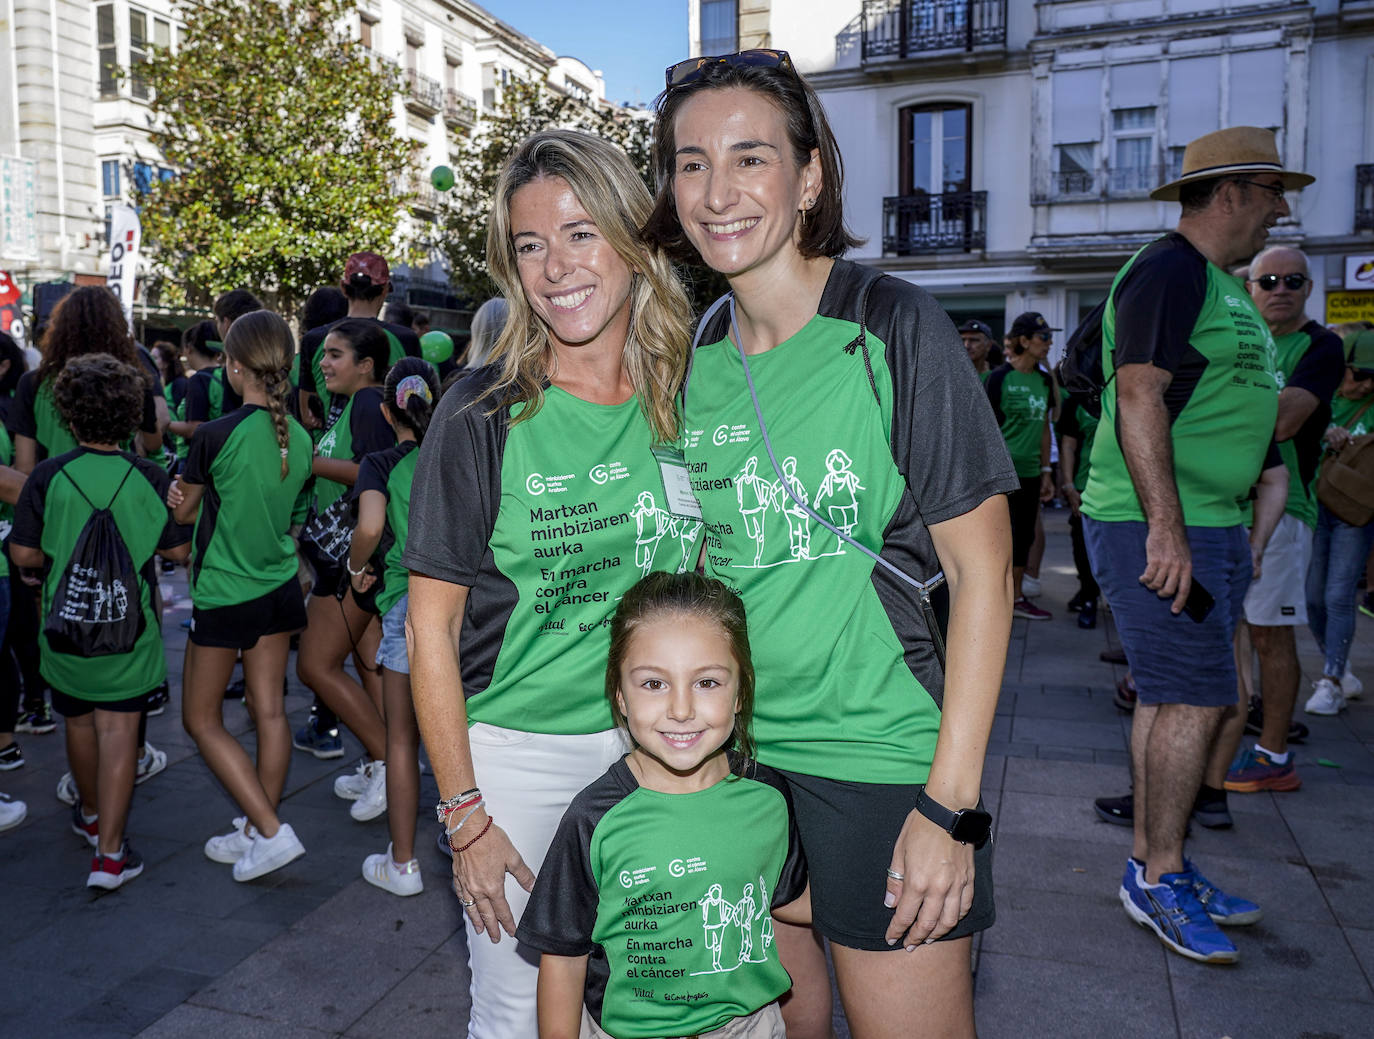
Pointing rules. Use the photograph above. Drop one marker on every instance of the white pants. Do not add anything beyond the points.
(528, 780)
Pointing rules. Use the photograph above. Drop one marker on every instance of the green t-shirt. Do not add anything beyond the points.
(1343, 409)
(357, 431)
(1022, 402)
(6, 511)
(848, 682)
(391, 474)
(243, 548)
(34, 414)
(1172, 308)
(547, 522)
(51, 515)
(1313, 359)
(670, 898)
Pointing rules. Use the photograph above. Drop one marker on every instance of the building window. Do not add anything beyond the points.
(144, 176)
(109, 178)
(138, 52)
(936, 151)
(162, 33)
(412, 55)
(365, 25)
(105, 50)
(1133, 150)
(1074, 172)
(719, 26)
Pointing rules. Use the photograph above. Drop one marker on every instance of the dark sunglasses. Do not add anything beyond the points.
(1046, 336)
(691, 69)
(1362, 373)
(1269, 282)
(1275, 190)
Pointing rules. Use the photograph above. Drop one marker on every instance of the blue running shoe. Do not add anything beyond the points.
(1224, 909)
(315, 739)
(1172, 911)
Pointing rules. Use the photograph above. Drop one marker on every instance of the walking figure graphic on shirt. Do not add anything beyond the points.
(651, 523)
(755, 494)
(685, 531)
(721, 918)
(798, 522)
(839, 493)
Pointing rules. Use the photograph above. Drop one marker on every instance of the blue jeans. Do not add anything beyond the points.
(1338, 554)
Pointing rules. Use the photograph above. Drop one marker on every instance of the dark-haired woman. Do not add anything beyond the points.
(383, 495)
(875, 432)
(243, 473)
(354, 364)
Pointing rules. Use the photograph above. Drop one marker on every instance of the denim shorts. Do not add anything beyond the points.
(1173, 658)
(391, 652)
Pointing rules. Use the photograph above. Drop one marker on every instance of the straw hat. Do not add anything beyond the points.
(1225, 153)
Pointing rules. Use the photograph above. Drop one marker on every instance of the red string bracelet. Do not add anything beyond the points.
(479, 836)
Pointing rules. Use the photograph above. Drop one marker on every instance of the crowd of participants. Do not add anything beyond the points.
(689, 801)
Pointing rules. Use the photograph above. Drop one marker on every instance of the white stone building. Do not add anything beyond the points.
(56, 76)
(1000, 152)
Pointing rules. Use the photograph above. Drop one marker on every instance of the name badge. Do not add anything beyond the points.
(677, 485)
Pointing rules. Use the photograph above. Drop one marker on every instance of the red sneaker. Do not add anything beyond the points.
(111, 873)
(1028, 610)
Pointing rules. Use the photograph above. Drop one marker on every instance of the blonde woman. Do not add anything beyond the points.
(521, 537)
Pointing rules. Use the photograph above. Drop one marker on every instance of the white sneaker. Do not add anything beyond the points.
(1351, 687)
(352, 785)
(383, 871)
(1326, 698)
(230, 847)
(372, 803)
(66, 789)
(151, 761)
(12, 813)
(265, 854)
(1030, 586)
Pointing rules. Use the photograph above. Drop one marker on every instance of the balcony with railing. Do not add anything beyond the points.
(459, 109)
(1364, 197)
(1125, 182)
(424, 96)
(950, 221)
(900, 29)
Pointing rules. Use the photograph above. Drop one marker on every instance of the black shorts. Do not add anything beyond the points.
(74, 706)
(241, 625)
(847, 831)
(1025, 508)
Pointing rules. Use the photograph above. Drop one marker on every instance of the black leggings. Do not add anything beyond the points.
(1087, 584)
(1025, 507)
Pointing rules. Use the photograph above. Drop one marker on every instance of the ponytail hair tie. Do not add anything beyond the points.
(411, 386)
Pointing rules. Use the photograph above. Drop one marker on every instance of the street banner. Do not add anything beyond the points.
(1349, 306)
(11, 313)
(125, 235)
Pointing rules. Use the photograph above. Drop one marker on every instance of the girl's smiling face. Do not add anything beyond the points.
(343, 373)
(679, 693)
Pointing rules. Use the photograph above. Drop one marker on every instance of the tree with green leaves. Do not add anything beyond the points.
(279, 127)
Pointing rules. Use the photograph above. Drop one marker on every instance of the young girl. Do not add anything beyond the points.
(102, 697)
(242, 476)
(383, 489)
(355, 358)
(653, 905)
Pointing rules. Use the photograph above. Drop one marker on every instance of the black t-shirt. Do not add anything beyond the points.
(209, 395)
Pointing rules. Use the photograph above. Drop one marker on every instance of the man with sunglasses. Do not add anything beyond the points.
(1188, 418)
(1311, 363)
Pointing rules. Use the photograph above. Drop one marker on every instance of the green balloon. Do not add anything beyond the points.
(441, 177)
(436, 347)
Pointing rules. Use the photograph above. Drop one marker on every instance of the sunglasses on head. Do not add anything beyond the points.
(692, 68)
(1269, 282)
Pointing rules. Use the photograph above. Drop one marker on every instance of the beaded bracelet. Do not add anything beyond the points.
(450, 831)
(470, 843)
(443, 808)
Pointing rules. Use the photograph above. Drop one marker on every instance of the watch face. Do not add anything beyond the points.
(971, 827)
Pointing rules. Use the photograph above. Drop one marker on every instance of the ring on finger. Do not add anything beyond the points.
(895, 875)
(467, 903)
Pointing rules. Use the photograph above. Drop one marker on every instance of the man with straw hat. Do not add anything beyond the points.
(1187, 429)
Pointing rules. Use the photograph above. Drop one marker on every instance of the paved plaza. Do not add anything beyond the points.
(313, 951)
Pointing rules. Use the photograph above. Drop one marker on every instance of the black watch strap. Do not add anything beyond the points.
(967, 825)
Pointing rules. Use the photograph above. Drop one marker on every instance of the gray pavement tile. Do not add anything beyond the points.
(221, 944)
(1104, 735)
(1083, 869)
(1005, 748)
(1085, 928)
(1353, 808)
(1256, 834)
(135, 1003)
(1282, 1012)
(29, 908)
(279, 908)
(298, 979)
(1120, 759)
(1070, 818)
(1001, 728)
(429, 1002)
(1347, 888)
(1284, 890)
(188, 882)
(1058, 707)
(1015, 994)
(427, 919)
(1362, 944)
(1282, 956)
(188, 1019)
(1079, 754)
(37, 997)
(46, 854)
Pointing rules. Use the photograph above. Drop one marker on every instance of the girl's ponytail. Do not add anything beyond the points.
(411, 391)
(261, 342)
